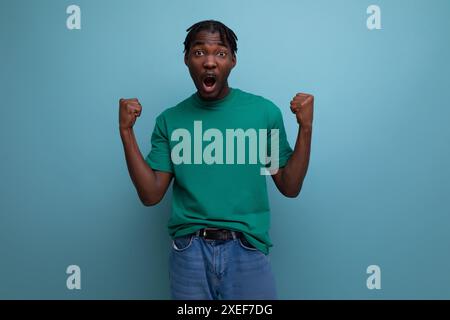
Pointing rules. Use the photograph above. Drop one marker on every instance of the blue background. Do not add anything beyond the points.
(377, 190)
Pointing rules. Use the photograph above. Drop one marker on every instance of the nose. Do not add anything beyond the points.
(210, 62)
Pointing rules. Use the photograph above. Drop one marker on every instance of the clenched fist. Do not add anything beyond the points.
(129, 110)
(302, 105)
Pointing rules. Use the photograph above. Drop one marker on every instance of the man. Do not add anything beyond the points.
(220, 214)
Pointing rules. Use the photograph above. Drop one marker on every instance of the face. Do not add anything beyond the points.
(210, 62)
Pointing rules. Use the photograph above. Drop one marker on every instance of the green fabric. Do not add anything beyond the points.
(231, 196)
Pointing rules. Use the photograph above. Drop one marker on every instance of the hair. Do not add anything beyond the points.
(226, 34)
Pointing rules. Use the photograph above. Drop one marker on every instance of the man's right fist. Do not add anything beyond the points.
(129, 110)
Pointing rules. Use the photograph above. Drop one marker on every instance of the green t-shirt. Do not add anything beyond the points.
(217, 185)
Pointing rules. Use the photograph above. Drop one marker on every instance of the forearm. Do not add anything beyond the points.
(144, 178)
(296, 168)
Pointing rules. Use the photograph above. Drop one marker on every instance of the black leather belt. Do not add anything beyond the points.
(218, 234)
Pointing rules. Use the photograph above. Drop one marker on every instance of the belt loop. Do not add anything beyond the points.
(233, 233)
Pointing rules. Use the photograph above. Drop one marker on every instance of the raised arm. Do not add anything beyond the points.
(151, 185)
(289, 179)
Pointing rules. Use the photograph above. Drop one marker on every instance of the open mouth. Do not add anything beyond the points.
(209, 83)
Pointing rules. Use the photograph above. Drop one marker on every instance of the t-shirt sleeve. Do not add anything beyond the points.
(159, 156)
(276, 122)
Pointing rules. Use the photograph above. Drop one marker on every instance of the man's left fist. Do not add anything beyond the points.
(303, 105)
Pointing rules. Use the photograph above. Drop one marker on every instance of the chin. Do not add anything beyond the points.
(211, 95)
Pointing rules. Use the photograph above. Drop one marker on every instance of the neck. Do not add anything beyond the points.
(222, 94)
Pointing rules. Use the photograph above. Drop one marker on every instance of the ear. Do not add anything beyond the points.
(233, 61)
(185, 59)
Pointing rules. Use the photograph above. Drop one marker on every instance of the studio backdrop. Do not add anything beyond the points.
(373, 218)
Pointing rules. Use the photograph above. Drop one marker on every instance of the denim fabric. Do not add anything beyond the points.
(202, 269)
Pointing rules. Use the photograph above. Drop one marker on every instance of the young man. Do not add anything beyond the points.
(209, 144)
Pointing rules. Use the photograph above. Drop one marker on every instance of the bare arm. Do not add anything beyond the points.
(151, 185)
(289, 180)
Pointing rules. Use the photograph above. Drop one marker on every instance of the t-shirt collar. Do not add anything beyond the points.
(216, 103)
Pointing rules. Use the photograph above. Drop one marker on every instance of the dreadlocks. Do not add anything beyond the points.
(211, 26)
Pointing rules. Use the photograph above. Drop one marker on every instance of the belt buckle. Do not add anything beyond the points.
(204, 233)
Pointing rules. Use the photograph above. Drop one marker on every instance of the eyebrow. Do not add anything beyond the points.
(196, 43)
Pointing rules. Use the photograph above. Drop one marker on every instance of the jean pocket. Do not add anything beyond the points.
(182, 243)
(245, 244)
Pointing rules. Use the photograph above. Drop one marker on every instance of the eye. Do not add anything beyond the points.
(222, 54)
(198, 53)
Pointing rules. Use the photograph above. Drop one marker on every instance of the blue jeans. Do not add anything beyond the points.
(202, 269)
